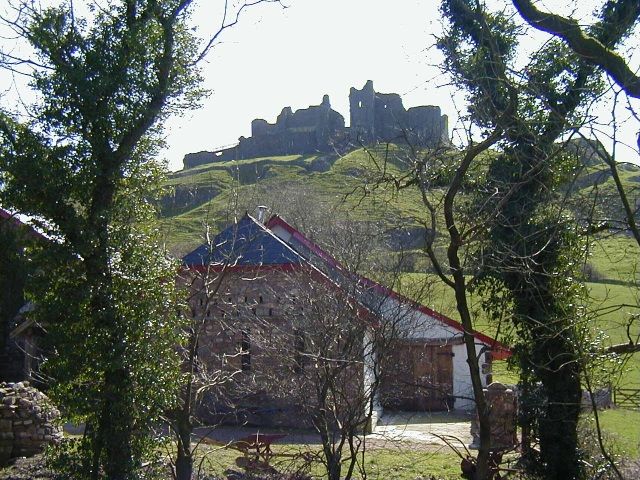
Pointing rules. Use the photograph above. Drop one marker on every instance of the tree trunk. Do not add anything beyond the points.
(184, 459)
(116, 426)
(558, 427)
(482, 461)
(333, 467)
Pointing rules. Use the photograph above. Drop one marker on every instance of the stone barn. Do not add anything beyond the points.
(258, 282)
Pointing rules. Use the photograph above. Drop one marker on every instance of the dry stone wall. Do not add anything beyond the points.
(503, 406)
(27, 421)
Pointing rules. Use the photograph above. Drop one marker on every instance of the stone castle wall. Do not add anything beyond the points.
(381, 117)
(374, 117)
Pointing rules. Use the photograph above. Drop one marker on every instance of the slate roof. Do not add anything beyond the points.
(249, 244)
(245, 244)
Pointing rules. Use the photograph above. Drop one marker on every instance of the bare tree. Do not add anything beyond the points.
(340, 326)
(200, 376)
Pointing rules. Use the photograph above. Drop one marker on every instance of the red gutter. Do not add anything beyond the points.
(501, 351)
(16, 222)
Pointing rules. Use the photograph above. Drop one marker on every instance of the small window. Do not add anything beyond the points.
(271, 312)
(260, 299)
(245, 352)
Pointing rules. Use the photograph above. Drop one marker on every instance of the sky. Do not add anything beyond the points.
(277, 57)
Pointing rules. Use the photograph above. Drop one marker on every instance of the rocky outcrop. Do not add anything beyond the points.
(27, 421)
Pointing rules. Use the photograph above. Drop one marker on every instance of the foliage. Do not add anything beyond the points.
(14, 270)
(532, 252)
(83, 165)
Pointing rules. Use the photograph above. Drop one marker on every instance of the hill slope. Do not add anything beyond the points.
(308, 190)
(304, 188)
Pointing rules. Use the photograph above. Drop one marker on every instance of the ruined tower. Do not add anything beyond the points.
(381, 117)
(362, 114)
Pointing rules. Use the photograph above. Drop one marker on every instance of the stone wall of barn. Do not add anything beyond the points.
(254, 329)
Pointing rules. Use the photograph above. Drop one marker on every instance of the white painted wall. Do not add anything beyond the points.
(462, 388)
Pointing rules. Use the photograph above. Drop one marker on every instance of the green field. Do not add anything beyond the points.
(621, 429)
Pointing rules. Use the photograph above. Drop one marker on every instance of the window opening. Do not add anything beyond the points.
(245, 352)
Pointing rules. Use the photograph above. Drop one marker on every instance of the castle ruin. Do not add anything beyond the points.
(374, 117)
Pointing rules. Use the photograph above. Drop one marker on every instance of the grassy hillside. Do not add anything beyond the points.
(306, 190)
(292, 186)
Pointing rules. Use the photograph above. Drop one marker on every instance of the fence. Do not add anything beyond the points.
(627, 397)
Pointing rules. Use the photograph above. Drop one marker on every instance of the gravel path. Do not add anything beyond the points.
(422, 431)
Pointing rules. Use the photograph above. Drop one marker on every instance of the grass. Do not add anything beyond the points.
(351, 185)
(613, 305)
(621, 429)
(348, 186)
(617, 258)
(407, 464)
(398, 463)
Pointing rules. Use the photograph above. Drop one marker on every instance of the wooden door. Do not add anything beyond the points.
(418, 377)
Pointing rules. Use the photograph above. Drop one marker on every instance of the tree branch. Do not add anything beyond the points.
(624, 348)
(586, 46)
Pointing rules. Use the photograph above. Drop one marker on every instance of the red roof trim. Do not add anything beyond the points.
(16, 222)
(501, 351)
